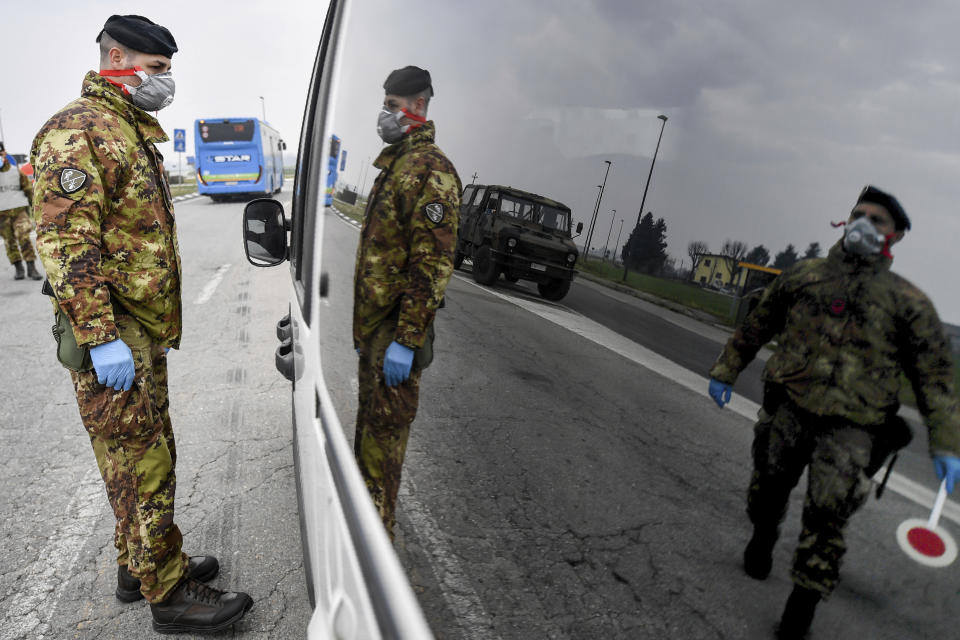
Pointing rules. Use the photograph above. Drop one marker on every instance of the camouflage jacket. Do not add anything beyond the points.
(407, 241)
(846, 328)
(26, 185)
(105, 226)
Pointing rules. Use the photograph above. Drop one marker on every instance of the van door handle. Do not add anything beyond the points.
(284, 359)
(284, 330)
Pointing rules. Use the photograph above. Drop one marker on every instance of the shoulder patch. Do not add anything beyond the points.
(72, 180)
(434, 211)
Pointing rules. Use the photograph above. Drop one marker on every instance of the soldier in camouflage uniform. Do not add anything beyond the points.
(16, 192)
(848, 328)
(404, 262)
(107, 238)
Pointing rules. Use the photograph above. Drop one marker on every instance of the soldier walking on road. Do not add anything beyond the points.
(107, 238)
(848, 328)
(16, 192)
(404, 262)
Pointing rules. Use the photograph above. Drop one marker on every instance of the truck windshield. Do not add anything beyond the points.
(553, 218)
(549, 217)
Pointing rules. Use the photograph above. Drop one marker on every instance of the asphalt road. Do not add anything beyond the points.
(555, 488)
(557, 484)
(231, 416)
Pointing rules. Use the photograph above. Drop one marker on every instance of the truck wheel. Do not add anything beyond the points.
(485, 269)
(554, 290)
(457, 259)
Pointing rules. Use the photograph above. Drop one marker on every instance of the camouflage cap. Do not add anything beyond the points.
(140, 34)
(408, 81)
(871, 194)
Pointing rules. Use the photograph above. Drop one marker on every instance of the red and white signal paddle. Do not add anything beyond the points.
(924, 541)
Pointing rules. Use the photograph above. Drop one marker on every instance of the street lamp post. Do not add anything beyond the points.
(596, 209)
(366, 165)
(643, 200)
(586, 246)
(263, 106)
(607, 243)
(617, 244)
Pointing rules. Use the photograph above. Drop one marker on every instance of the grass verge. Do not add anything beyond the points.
(354, 211)
(690, 295)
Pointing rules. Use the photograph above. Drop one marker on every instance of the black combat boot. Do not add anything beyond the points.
(18, 273)
(758, 556)
(193, 607)
(798, 614)
(32, 271)
(202, 568)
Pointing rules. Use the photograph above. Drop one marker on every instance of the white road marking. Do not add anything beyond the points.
(464, 602)
(597, 333)
(29, 612)
(212, 285)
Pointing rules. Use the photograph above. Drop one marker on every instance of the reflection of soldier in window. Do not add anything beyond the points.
(491, 207)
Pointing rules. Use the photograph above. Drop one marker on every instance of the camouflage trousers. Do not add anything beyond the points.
(384, 415)
(133, 443)
(15, 229)
(835, 455)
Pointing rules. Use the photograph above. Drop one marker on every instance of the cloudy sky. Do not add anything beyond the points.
(779, 113)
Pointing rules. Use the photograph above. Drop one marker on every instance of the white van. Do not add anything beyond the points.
(355, 582)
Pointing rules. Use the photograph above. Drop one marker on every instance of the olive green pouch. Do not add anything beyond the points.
(69, 353)
(423, 356)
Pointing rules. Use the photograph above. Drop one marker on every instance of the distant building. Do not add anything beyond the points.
(720, 272)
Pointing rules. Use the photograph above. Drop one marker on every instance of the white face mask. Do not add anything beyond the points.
(862, 238)
(154, 93)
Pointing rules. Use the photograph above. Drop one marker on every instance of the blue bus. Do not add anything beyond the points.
(332, 169)
(238, 157)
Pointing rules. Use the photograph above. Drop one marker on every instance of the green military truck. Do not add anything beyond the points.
(519, 234)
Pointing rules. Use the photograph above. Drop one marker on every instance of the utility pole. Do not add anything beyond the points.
(263, 106)
(607, 243)
(596, 209)
(649, 175)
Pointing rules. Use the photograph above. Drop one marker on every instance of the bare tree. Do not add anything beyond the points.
(734, 250)
(695, 250)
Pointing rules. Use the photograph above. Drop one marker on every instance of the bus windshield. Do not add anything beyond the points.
(236, 131)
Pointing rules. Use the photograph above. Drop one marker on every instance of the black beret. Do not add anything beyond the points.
(871, 194)
(408, 81)
(140, 34)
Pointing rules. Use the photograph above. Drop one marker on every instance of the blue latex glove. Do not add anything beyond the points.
(113, 363)
(720, 392)
(947, 467)
(396, 363)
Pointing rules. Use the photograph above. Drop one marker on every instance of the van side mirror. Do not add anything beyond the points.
(264, 232)
(283, 146)
(579, 227)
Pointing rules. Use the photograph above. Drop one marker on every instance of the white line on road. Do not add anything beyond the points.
(601, 335)
(212, 285)
(29, 612)
(464, 602)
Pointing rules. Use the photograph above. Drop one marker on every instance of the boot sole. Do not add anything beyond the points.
(174, 627)
(131, 595)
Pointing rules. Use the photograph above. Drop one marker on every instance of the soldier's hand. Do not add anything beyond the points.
(396, 363)
(947, 467)
(720, 392)
(113, 363)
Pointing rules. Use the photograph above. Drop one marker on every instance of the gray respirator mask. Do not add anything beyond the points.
(860, 237)
(389, 127)
(155, 92)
